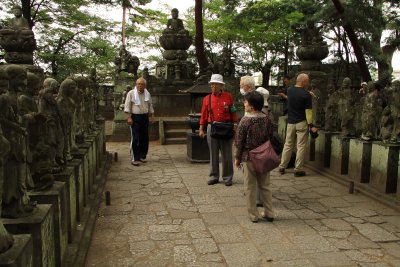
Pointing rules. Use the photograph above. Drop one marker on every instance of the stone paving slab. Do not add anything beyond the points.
(163, 213)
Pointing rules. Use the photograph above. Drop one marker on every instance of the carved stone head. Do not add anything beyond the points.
(17, 78)
(68, 87)
(346, 83)
(33, 83)
(52, 84)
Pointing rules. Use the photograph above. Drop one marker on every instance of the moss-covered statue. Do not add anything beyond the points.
(40, 160)
(332, 120)
(370, 114)
(346, 108)
(16, 202)
(66, 106)
(6, 239)
(54, 123)
(395, 111)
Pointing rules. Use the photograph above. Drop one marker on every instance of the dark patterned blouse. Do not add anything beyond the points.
(253, 131)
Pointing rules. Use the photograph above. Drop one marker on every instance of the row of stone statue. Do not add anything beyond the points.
(41, 123)
(372, 113)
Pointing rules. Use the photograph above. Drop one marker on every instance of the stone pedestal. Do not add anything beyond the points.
(339, 162)
(282, 126)
(311, 149)
(360, 160)
(323, 148)
(384, 167)
(197, 148)
(79, 180)
(68, 177)
(20, 254)
(56, 195)
(40, 226)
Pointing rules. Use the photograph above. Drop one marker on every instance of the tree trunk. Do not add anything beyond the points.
(266, 72)
(286, 60)
(354, 42)
(199, 38)
(26, 11)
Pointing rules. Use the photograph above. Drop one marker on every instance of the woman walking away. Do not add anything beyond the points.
(254, 130)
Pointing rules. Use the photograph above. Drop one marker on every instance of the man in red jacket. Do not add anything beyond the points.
(222, 110)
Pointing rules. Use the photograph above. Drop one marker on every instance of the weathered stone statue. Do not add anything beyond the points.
(127, 62)
(332, 110)
(54, 123)
(18, 22)
(395, 110)
(16, 202)
(346, 108)
(39, 150)
(6, 239)
(17, 39)
(174, 24)
(316, 103)
(79, 123)
(386, 124)
(66, 106)
(369, 117)
(175, 40)
(310, 34)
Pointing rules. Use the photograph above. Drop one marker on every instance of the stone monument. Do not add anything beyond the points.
(346, 109)
(332, 123)
(175, 40)
(370, 114)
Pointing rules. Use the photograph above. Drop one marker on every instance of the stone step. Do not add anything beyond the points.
(174, 133)
(174, 141)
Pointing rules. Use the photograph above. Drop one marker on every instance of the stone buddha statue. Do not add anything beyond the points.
(332, 109)
(18, 22)
(174, 24)
(66, 106)
(6, 239)
(16, 202)
(346, 108)
(369, 117)
(54, 124)
(395, 110)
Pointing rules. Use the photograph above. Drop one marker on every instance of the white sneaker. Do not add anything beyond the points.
(143, 160)
(135, 163)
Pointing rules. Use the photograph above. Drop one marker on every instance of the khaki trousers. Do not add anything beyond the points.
(251, 181)
(297, 131)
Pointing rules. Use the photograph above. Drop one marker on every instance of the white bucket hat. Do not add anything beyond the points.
(217, 78)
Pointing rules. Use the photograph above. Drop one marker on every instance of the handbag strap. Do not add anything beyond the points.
(210, 110)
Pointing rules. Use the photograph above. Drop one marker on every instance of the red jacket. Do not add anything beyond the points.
(221, 108)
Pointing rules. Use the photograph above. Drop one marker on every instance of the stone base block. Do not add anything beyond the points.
(197, 148)
(20, 254)
(384, 167)
(360, 160)
(79, 186)
(282, 126)
(68, 177)
(56, 195)
(323, 149)
(40, 225)
(311, 149)
(339, 161)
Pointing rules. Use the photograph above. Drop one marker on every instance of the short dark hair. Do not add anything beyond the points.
(255, 99)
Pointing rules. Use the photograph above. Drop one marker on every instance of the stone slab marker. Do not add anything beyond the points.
(20, 254)
(40, 226)
(56, 195)
(384, 167)
(339, 160)
(360, 160)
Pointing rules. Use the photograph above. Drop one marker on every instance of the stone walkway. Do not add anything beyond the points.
(164, 214)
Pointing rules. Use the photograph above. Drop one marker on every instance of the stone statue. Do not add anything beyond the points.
(332, 110)
(174, 24)
(6, 240)
(18, 22)
(346, 108)
(369, 117)
(127, 62)
(54, 123)
(395, 111)
(316, 103)
(17, 39)
(386, 124)
(79, 122)
(66, 106)
(16, 202)
(310, 34)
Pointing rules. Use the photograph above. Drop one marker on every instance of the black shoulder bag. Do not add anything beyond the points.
(222, 130)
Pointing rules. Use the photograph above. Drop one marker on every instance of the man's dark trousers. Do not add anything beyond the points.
(140, 136)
